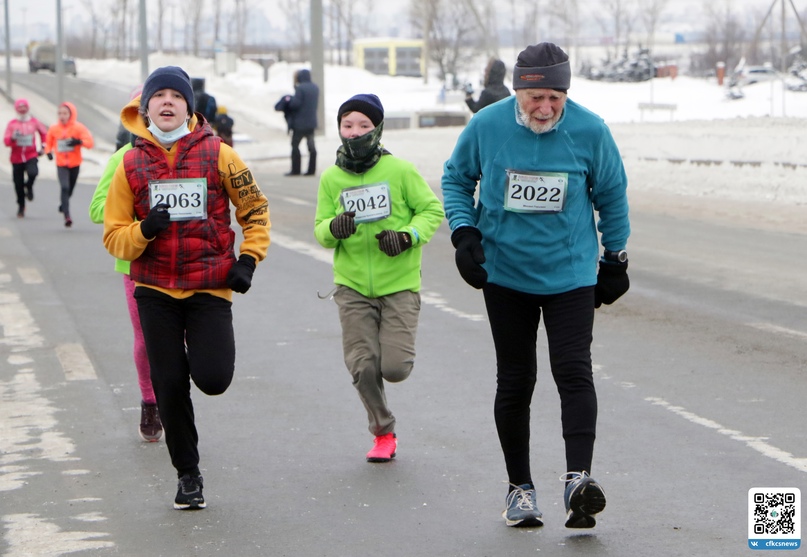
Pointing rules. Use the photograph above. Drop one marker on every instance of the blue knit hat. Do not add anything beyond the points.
(168, 77)
(368, 104)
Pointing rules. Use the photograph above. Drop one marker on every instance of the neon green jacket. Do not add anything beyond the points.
(357, 261)
(99, 197)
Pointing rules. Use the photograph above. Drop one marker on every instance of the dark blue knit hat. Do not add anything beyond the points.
(168, 77)
(368, 104)
(542, 66)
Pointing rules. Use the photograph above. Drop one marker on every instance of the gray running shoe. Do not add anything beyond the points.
(583, 498)
(521, 507)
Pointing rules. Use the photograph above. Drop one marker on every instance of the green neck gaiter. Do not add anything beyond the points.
(360, 154)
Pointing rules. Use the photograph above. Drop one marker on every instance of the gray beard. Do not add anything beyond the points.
(524, 120)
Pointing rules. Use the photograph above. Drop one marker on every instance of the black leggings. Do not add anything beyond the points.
(67, 180)
(569, 322)
(186, 339)
(21, 185)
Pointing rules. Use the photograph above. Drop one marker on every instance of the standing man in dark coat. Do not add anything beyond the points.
(300, 111)
(494, 87)
(204, 102)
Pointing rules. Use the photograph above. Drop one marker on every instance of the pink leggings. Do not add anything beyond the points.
(141, 360)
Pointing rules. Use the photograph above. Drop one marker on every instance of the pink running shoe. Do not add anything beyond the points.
(384, 448)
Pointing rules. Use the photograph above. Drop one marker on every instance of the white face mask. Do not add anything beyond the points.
(169, 137)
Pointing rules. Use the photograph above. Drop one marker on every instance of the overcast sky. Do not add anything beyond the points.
(43, 11)
(32, 12)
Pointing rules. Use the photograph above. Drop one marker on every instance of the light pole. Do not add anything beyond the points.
(144, 47)
(318, 60)
(59, 55)
(8, 54)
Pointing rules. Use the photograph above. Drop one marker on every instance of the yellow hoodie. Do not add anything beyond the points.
(122, 236)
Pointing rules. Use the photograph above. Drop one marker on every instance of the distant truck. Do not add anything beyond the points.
(42, 56)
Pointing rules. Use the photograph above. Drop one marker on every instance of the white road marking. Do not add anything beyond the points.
(20, 332)
(296, 201)
(30, 275)
(75, 363)
(771, 328)
(29, 429)
(27, 534)
(323, 255)
(759, 444)
(314, 251)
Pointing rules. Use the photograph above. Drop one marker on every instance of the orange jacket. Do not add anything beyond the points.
(68, 156)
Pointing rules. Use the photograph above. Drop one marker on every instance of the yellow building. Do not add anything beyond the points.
(390, 56)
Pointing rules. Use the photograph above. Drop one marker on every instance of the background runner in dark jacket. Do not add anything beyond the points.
(495, 89)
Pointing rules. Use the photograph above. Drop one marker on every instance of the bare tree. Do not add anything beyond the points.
(296, 12)
(158, 42)
(724, 36)
(347, 20)
(446, 27)
(344, 22)
(216, 20)
(650, 13)
(196, 9)
(484, 15)
(568, 14)
(615, 20)
(525, 22)
(95, 25)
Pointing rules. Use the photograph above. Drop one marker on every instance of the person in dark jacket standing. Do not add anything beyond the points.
(300, 111)
(494, 87)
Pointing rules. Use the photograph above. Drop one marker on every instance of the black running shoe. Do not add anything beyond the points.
(583, 498)
(189, 493)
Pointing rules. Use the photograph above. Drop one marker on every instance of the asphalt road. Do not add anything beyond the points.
(699, 370)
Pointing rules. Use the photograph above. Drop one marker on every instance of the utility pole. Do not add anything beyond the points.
(144, 47)
(59, 55)
(318, 61)
(8, 54)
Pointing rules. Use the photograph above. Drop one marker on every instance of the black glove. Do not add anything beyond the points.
(469, 89)
(239, 278)
(470, 255)
(73, 141)
(40, 152)
(50, 156)
(156, 221)
(393, 243)
(343, 225)
(612, 282)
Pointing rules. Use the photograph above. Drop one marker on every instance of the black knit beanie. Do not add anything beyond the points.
(542, 66)
(368, 104)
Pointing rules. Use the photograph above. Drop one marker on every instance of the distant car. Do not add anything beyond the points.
(755, 74)
(69, 66)
(42, 56)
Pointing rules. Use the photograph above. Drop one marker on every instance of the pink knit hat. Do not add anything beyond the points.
(19, 104)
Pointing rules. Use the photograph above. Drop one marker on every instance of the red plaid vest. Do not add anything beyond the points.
(194, 254)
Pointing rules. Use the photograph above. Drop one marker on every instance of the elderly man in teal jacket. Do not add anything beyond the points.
(543, 166)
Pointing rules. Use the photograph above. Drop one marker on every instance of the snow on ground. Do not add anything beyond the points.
(717, 155)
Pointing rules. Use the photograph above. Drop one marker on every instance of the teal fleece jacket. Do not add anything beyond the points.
(358, 263)
(539, 253)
